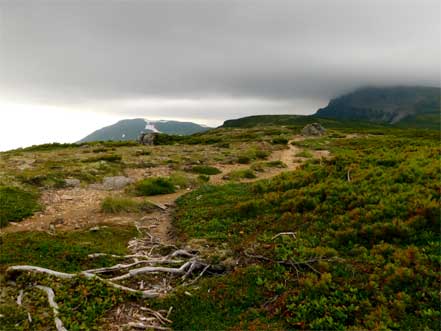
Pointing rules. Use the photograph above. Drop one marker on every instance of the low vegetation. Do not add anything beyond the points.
(82, 301)
(347, 244)
(350, 242)
(241, 174)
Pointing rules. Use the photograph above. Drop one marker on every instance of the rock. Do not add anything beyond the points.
(313, 129)
(72, 182)
(66, 197)
(148, 138)
(116, 182)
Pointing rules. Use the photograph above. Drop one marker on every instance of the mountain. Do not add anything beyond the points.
(130, 129)
(401, 106)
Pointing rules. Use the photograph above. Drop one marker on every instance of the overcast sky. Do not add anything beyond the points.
(70, 67)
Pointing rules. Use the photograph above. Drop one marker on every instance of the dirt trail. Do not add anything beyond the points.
(79, 208)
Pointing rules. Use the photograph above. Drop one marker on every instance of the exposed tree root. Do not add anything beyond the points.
(63, 275)
(51, 298)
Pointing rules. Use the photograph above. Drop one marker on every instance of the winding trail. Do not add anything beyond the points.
(77, 208)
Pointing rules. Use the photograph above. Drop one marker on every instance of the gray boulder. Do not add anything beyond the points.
(116, 182)
(72, 182)
(313, 129)
(148, 138)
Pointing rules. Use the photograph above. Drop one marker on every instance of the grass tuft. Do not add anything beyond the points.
(118, 204)
(154, 186)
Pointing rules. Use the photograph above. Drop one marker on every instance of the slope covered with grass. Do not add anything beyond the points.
(365, 254)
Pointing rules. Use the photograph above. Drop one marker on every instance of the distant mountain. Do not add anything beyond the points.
(401, 106)
(131, 129)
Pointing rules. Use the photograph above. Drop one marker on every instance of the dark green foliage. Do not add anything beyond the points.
(16, 204)
(205, 170)
(280, 141)
(154, 186)
(243, 159)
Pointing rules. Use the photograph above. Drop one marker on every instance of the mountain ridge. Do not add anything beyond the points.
(398, 105)
(130, 129)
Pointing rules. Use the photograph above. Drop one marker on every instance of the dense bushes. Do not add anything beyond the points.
(16, 204)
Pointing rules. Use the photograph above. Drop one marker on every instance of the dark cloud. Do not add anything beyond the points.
(89, 51)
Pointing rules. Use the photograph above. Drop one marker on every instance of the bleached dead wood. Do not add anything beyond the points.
(292, 234)
(142, 326)
(20, 297)
(179, 271)
(127, 266)
(63, 275)
(51, 299)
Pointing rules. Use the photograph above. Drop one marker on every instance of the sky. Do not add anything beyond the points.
(68, 68)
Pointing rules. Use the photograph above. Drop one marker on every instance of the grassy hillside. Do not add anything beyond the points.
(299, 121)
(365, 253)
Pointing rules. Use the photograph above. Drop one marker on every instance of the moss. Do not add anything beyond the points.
(16, 204)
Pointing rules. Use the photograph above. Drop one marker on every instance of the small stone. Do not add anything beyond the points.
(72, 182)
(116, 182)
(66, 197)
(313, 129)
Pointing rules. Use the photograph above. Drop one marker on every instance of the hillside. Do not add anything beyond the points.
(130, 129)
(406, 106)
(255, 228)
(299, 121)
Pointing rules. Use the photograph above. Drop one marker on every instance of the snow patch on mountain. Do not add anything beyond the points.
(149, 125)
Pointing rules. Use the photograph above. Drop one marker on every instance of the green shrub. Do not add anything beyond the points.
(205, 170)
(16, 204)
(279, 141)
(241, 174)
(118, 204)
(305, 154)
(154, 186)
(243, 159)
(204, 178)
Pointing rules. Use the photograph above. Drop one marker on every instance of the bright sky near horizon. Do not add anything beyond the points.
(70, 67)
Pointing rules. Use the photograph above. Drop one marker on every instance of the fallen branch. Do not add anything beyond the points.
(51, 298)
(142, 326)
(20, 297)
(157, 204)
(126, 266)
(134, 272)
(63, 275)
(293, 234)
